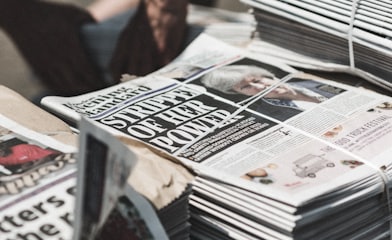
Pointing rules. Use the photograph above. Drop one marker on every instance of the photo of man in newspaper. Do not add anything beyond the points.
(277, 99)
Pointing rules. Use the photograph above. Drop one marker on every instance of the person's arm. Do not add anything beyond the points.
(104, 9)
(47, 35)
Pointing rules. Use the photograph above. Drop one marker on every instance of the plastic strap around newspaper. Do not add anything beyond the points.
(354, 8)
(387, 192)
(385, 178)
(235, 113)
(381, 172)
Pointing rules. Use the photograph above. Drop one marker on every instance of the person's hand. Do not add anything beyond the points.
(47, 35)
(152, 39)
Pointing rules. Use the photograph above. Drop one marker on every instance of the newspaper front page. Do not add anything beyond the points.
(272, 132)
(37, 184)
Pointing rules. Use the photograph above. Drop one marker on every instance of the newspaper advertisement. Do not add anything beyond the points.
(227, 123)
(37, 184)
(104, 199)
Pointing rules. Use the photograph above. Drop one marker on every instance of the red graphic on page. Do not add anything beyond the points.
(19, 158)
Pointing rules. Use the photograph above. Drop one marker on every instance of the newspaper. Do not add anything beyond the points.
(25, 113)
(276, 146)
(104, 199)
(339, 36)
(37, 184)
(37, 196)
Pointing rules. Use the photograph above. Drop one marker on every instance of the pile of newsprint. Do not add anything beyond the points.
(349, 35)
(276, 153)
(115, 192)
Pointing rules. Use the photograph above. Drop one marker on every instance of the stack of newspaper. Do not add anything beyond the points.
(354, 36)
(107, 206)
(357, 211)
(39, 181)
(37, 171)
(278, 153)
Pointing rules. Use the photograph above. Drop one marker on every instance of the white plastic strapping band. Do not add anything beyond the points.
(354, 8)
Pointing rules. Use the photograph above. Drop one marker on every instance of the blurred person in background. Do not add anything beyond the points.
(73, 50)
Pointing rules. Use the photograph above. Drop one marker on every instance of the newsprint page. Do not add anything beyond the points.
(42, 196)
(37, 184)
(282, 133)
(106, 205)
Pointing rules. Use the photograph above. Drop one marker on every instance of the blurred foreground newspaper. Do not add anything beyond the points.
(211, 131)
(37, 180)
(37, 196)
(104, 199)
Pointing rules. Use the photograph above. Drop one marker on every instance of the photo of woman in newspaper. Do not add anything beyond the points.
(279, 100)
(18, 157)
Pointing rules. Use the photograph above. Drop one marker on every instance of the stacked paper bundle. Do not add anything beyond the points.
(106, 205)
(359, 210)
(175, 217)
(300, 158)
(355, 35)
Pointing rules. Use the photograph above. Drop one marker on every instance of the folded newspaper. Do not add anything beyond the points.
(279, 154)
(38, 181)
(351, 36)
(106, 205)
(128, 191)
(37, 171)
